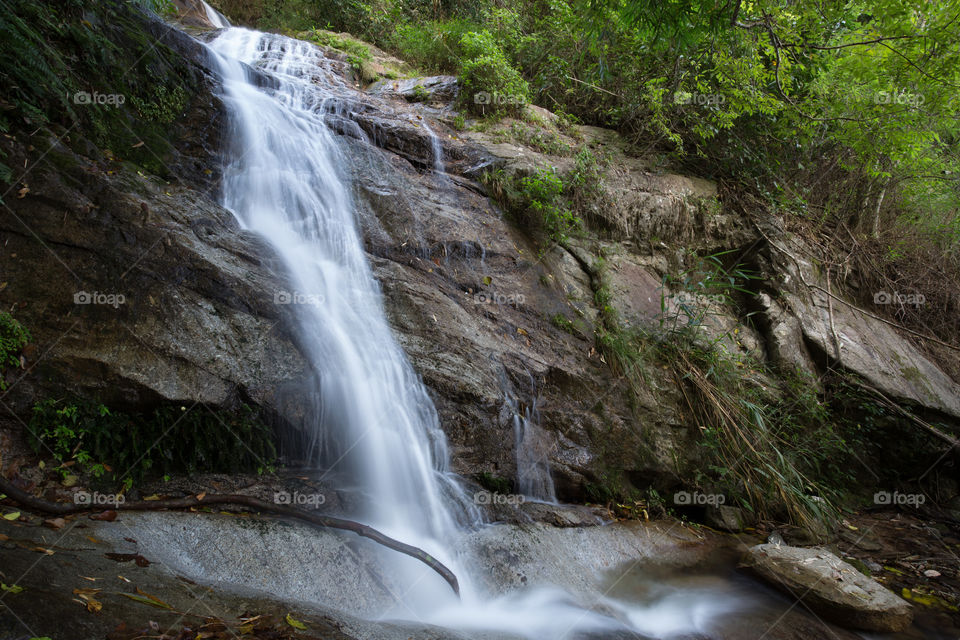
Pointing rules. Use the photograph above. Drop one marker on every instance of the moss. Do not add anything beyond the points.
(563, 323)
(927, 600)
(94, 67)
(914, 376)
(859, 565)
(494, 483)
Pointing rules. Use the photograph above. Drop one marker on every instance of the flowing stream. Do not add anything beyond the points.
(285, 178)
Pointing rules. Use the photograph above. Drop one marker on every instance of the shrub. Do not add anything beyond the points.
(433, 45)
(544, 194)
(92, 438)
(13, 338)
(489, 84)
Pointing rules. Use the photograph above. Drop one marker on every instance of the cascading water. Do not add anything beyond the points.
(216, 18)
(534, 479)
(374, 422)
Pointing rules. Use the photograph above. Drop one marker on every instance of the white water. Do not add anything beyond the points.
(216, 18)
(374, 421)
(531, 445)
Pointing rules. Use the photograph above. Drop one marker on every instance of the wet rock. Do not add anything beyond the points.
(135, 310)
(830, 587)
(427, 89)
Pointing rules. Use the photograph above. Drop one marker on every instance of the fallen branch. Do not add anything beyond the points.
(31, 502)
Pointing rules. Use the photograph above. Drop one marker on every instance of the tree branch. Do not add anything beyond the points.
(29, 501)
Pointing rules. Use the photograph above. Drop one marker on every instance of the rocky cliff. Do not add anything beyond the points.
(141, 291)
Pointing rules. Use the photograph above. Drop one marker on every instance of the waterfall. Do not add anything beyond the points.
(285, 179)
(374, 421)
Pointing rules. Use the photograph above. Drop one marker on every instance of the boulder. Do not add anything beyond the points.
(868, 346)
(829, 587)
(726, 518)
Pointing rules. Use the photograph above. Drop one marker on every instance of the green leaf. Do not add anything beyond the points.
(11, 589)
(159, 604)
(11, 516)
(296, 624)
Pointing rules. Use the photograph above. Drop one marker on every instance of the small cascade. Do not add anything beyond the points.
(533, 446)
(437, 148)
(216, 18)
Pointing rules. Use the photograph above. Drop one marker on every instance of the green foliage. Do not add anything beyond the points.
(167, 440)
(13, 338)
(700, 292)
(92, 67)
(543, 201)
(494, 483)
(543, 193)
(335, 41)
(563, 323)
(490, 85)
(419, 94)
(541, 138)
(162, 7)
(432, 45)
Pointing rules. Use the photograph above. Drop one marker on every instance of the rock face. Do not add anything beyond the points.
(138, 292)
(863, 343)
(830, 587)
(483, 311)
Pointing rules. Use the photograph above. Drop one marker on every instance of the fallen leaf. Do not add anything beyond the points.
(49, 552)
(159, 602)
(93, 540)
(127, 557)
(932, 573)
(11, 516)
(22, 193)
(522, 331)
(138, 145)
(296, 624)
(142, 600)
(55, 523)
(11, 589)
(122, 578)
(107, 516)
(201, 496)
